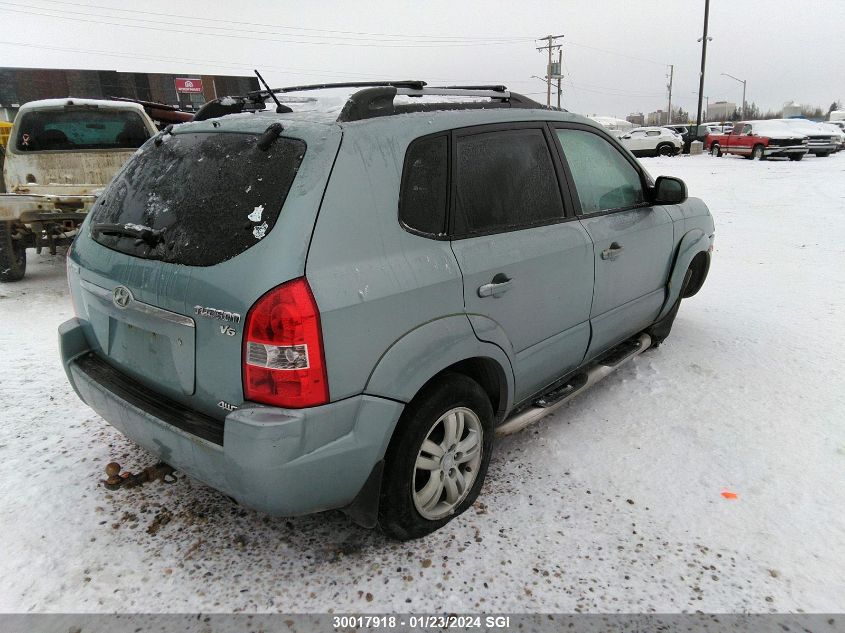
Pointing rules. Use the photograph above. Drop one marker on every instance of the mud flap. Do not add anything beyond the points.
(363, 510)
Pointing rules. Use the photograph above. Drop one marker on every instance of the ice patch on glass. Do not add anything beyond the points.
(260, 230)
(255, 216)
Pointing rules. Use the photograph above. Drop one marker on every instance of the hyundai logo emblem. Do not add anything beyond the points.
(121, 297)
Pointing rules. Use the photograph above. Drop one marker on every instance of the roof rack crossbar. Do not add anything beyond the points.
(454, 92)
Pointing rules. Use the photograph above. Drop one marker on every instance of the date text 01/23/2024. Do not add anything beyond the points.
(422, 622)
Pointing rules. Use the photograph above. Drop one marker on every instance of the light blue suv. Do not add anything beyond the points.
(315, 310)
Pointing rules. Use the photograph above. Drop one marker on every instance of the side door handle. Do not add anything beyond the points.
(500, 285)
(613, 252)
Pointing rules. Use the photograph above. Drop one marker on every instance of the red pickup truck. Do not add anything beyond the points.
(758, 139)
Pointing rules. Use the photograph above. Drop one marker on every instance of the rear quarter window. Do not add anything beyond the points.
(207, 196)
(425, 180)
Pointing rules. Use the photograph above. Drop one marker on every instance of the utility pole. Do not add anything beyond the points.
(559, 76)
(550, 46)
(742, 81)
(703, 41)
(671, 77)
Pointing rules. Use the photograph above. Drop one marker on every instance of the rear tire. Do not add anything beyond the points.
(12, 255)
(758, 153)
(448, 414)
(823, 154)
(715, 150)
(796, 157)
(665, 149)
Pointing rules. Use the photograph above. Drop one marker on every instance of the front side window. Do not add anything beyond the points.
(425, 181)
(505, 180)
(603, 178)
(80, 128)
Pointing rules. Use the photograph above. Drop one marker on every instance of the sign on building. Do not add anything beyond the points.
(188, 86)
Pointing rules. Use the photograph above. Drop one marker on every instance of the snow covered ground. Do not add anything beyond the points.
(612, 504)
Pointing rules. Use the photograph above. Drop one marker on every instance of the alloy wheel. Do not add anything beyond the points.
(447, 463)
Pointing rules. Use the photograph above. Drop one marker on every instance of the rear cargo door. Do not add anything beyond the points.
(180, 246)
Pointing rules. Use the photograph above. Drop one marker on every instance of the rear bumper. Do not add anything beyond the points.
(284, 462)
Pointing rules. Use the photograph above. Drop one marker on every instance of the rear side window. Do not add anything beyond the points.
(505, 180)
(603, 178)
(72, 129)
(196, 199)
(422, 201)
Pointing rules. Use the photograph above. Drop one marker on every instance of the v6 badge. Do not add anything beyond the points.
(228, 330)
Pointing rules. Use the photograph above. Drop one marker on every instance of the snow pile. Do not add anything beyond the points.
(613, 504)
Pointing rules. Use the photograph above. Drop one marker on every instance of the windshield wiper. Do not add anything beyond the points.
(149, 236)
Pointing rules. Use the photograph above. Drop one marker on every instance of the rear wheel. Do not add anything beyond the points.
(758, 153)
(823, 154)
(665, 149)
(12, 255)
(796, 157)
(438, 457)
(715, 150)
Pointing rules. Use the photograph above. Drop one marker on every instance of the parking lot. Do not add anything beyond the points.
(620, 502)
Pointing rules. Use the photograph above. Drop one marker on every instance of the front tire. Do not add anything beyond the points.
(438, 457)
(796, 157)
(12, 255)
(758, 153)
(715, 150)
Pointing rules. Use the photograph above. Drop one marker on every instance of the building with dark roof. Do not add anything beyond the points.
(20, 85)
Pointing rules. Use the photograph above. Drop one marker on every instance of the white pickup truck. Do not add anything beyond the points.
(60, 152)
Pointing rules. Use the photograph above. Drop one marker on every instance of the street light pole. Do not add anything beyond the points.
(703, 41)
(742, 81)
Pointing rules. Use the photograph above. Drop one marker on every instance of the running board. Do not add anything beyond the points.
(553, 400)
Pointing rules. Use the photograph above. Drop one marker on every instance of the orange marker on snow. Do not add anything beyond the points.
(729, 495)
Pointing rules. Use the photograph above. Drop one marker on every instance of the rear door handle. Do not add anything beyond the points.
(500, 285)
(613, 252)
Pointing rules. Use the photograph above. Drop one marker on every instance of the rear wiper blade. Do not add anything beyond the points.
(151, 237)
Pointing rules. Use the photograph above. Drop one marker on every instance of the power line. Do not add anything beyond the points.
(30, 10)
(294, 28)
(224, 64)
(605, 50)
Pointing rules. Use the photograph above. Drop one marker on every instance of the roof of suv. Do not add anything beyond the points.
(406, 101)
(309, 122)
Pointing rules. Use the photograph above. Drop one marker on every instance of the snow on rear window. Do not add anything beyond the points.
(212, 196)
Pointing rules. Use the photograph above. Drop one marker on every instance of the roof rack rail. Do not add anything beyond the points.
(404, 83)
(493, 87)
(376, 99)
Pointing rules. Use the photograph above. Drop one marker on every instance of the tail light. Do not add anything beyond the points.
(283, 363)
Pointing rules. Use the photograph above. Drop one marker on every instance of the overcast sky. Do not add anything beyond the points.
(616, 52)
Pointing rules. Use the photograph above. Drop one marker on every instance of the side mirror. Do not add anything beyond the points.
(669, 190)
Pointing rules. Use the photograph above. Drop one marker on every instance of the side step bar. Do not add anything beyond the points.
(553, 400)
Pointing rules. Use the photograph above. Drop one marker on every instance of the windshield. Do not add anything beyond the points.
(196, 199)
(80, 128)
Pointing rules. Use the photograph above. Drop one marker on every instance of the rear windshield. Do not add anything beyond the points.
(72, 129)
(196, 199)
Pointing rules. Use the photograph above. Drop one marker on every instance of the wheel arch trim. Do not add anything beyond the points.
(693, 242)
(426, 351)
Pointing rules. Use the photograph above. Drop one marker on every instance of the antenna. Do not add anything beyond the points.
(279, 107)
